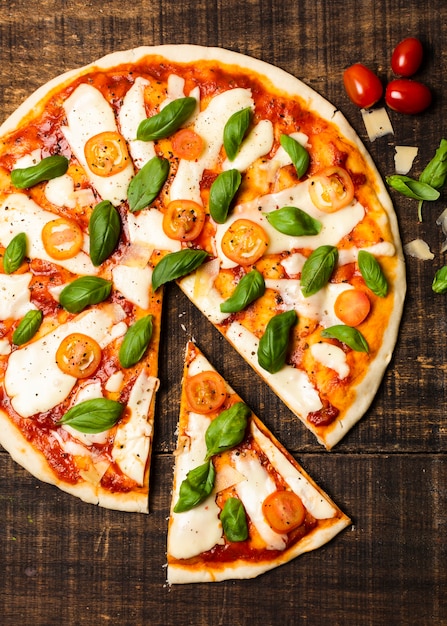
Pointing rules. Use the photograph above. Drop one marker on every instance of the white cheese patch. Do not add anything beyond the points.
(332, 357)
(350, 255)
(88, 114)
(198, 529)
(29, 160)
(377, 123)
(403, 158)
(5, 347)
(293, 264)
(146, 230)
(60, 191)
(33, 380)
(114, 383)
(291, 384)
(199, 287)
(133, 283)
(132, 440)
(252, 491)
(257, 143)
(20, 214)
(312, 499)
(132, 113)
(15, 295)
(419, 249)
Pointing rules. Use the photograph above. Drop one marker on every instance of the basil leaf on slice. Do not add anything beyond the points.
(439, 284)
(48, 168)
(15, 253)
(104, 231)
(227, 430)
(348, 335)
(234, 520)
(274, 343)
(82, 292)
(93, 416)
(196, 487)
(412, 188)
(372, 273)
(317, 269)
(249, 288)
(234, 131)
(28, 327)
(298, 153)
(135, 342)
(167, 121)
(147, 183)
(222, 192)
(290, 220)
(176, 265)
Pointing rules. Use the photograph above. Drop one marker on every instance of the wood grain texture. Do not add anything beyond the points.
(64, 562)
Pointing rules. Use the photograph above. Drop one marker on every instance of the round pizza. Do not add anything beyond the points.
(210, 169)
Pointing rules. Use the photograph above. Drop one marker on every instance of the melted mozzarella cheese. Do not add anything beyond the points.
(33, 380)
(146, 230)
(20, 214)
(5, 347)
(29, 160)
(132, 440)
(209, 124)
(60, 191)
(132, 113)
(312, 499)
(198, 529)
(133, 283)
(114, 383)
(258, 143)
(350, 255)
(15, 295)
(332, 357)
(200, 289)
(88, 114)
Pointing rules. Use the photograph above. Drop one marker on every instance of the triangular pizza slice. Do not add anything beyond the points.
(241, 503)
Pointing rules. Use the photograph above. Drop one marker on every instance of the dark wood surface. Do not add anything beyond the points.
(65, 562)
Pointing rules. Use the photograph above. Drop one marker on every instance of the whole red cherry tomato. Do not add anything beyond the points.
(407, 57)
(362, 85)
(407, 96)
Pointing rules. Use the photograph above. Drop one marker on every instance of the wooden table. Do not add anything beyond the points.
(66, 562)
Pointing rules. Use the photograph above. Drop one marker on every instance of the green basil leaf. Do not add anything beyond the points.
(298, 153)
(135, 342)
(348, 335)
(15, 253)
(317, 269)
(176, 265)
(82, 292)
(372, 273)
(435, 172)
(48, 168)
(147, 183)
(196, 487)
(412, 188)
(293, 221)
(28, 327)
(93, 416)
(170, 118)
(249, 288)
(104, 231)
(222, 192)
(227, 430)
(274, 343)
(234, 131)
(234, 520)
(439, 284)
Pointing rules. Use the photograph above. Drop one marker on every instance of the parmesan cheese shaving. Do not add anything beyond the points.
(419, 249)
(404, 157)
(377, 123)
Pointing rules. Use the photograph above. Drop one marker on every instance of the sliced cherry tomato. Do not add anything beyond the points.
(62, 238)
(244, 242)
(407, 57)
(106, 153)
(187, 144)
(78, 355)
(407, 96)
(352, 306)
(283, 511)
(183, 220)
(362, 85)
(332, 189)
(205, 392)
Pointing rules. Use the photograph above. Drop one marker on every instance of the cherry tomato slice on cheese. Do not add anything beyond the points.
(244, 242)
(106, 153)
(78, 355)
(62, 238)
(332, 189)
(407, 57)
(283, 511)
(352, 306)
(183, 220)
(362, 85)
(187, 144)
(407, 96)
(205, 392)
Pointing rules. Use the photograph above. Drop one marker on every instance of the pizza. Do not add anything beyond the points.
(241, 504)
(205, 168)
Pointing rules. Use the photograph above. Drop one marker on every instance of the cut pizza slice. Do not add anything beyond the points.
(241, 503)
